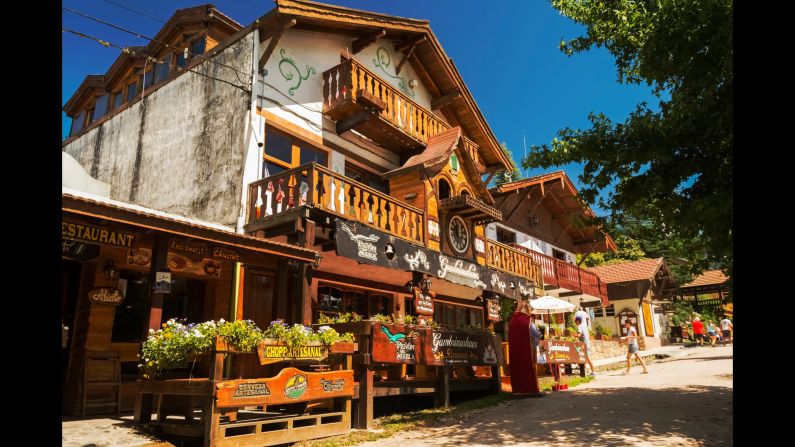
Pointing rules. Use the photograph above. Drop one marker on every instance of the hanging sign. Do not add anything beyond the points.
(106, 295)
(162, 282)
(493, 310)
(90, 233)
(423, 301)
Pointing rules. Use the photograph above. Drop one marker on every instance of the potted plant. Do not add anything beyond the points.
(602, 332)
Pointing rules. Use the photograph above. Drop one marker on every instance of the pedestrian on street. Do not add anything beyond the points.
(712, 332)
(632, 342)
(585, 337)
(698, 331)
(726, 327)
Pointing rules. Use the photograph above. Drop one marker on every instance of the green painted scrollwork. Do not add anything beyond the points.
(289, 75)
(382, 61)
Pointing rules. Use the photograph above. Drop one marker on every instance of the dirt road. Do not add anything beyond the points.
(683, 401)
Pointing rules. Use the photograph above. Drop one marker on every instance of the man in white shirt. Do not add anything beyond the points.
(583, 316)
(726, 328)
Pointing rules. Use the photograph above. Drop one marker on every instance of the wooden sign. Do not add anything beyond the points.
(423, 302)
(106, 295)
(562, 351)
(273, 352)
(290, 385)
(191, 248)
(494, 310)
(418, 345)
(83, 232)
(225, 254)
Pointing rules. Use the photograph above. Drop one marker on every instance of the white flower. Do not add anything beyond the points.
(151, 331)
(221, 320)
(323, 328)
(196, 333)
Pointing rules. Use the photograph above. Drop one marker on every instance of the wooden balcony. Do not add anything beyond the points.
(568, 277)
(318, 188)
(358, 99)
(508, 259)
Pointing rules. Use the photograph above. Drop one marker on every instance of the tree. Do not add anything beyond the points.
(628, 249)
(671, 167)
(504, 175)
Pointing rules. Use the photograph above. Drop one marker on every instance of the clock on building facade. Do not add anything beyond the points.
(458, 234)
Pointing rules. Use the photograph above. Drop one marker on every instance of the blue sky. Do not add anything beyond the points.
(507, 53)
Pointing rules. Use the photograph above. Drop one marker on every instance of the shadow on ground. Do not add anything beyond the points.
(605, 417)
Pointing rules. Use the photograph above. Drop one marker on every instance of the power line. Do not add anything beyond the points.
(135, 11)
(204, 57)
(106, 43)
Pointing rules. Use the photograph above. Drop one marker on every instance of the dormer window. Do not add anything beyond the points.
(100, 107)
(445, 190)
(132, 90)
(77, 123)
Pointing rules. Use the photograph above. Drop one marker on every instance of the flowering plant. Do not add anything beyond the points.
(173, 344)
(383, 319)
(341, 318)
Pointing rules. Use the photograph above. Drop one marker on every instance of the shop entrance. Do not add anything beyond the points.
(70, 284)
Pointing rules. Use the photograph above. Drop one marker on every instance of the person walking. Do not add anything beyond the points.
(632, 343)
(585, 337)
(726, 328)
(712, 332)
(698, 331)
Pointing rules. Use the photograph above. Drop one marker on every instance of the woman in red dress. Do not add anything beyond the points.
(520, 353)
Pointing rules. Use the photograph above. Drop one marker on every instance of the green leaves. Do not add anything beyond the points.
(672, 166)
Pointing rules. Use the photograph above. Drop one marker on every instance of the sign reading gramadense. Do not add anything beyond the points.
(369, 246)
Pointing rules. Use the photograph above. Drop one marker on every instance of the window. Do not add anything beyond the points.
(101, 107)
(607, 311)
(333, 301)
(186, 300)
(557, 254)
(132, 90)
(445, 190)
(132, 315)
(367, 178)
(118, 99)
(505, 236)
(162, 69)
(197, 46)
(89, 117)
(457, 316)
(149, 78)
(77, 123)
(182, 61)
(283, 152)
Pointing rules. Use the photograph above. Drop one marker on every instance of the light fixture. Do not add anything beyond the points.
(317, 260)
(413, 83)
(110, 270)
(425, 284)
(479, 301)
(534, 220)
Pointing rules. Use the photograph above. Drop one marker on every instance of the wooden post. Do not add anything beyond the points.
(212, 415)
(443, 389)
(364, 413)
(159, 261)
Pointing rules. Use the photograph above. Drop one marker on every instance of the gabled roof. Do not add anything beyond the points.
(435, 69)
(562, 200)
(438, 150)
(708, 278)
(643, 269)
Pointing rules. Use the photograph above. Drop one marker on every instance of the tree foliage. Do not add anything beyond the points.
(506, 176)
(671, 168)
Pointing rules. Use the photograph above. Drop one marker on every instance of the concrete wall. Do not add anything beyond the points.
(182, 148)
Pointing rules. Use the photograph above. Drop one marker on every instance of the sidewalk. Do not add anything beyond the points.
(649, 355)
(106, 432)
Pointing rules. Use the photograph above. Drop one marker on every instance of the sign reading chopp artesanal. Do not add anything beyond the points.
(83, 232)
(271, 353)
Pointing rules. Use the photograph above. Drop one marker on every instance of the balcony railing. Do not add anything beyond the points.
(589, 281)
(511, 260)
(350, 83)
(568, 275)
(315, 186)
(548, 265)
(560, 274)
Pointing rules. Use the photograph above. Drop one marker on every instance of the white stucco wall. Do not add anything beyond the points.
(530, 242)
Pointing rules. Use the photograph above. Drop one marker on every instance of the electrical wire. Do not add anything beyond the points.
(134, 33)
(135, 11)
(291, 99)
(154, 61)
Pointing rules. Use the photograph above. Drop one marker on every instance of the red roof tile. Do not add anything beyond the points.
(438, 149)
(628, 271)
(709, 277)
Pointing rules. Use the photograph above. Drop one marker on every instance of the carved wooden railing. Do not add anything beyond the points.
(547, 265)
(511, 260)
(345, 81)
(589, 281)
(316, 186)
(568, 275)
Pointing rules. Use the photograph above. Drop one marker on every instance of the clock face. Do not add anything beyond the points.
(458, 234)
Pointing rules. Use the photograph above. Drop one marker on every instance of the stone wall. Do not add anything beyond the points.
(601, 349)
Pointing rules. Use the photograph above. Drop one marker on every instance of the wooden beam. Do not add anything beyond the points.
(407, 55)
(410, 44)
(565, 229)
(518, 204)
(426, 78)
(287, 24)
(352, 121)
(443, 100)
(364, 42)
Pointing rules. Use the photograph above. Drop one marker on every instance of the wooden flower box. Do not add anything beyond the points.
(343, 347)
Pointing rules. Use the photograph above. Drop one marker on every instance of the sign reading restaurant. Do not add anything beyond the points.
(90, 233)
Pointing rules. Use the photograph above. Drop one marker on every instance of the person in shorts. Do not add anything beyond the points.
(585, 337)
(726, 328)
(632, 343)
(698, 331)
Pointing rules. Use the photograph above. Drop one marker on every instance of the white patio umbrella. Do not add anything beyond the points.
(550, 305)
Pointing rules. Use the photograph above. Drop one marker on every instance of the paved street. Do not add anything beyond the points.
(683, 401)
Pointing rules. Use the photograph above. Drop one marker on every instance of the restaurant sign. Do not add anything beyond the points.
(290, 385)
(90, 233)
(562, 351)
(106, 295)
(493, 310)
(370, 246)
(274, 352)
(418, 345)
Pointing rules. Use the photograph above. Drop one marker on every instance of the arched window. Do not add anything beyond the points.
(465, 192)
(445, 191)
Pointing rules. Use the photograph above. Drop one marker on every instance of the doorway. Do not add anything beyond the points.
(70, 284)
